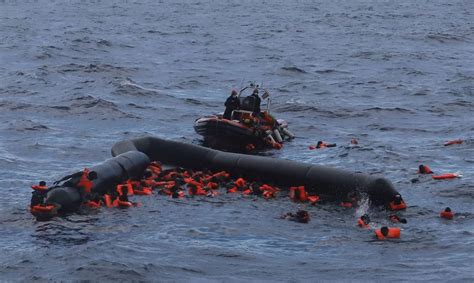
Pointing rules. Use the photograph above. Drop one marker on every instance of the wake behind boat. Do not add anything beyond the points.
(244, 126)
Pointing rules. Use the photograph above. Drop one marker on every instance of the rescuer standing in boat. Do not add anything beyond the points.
(232, 103)
(258, 101)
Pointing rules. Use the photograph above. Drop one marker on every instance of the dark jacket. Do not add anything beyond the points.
(256, 107)
(232, 103)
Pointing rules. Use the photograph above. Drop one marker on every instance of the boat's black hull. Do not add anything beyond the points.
(222, 133)
(318, 179)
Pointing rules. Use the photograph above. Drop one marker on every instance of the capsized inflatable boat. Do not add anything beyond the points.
(64, 197)
(335, 183)
(132, 158)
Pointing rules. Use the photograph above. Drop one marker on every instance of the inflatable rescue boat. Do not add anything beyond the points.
(245, 129)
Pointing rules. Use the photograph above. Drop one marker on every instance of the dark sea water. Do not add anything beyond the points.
(77, 76)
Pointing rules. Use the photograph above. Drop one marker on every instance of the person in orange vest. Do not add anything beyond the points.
(82, 179)
(386, 232)
(447, 214)
(397, 203)
(364, 221)
(39, 193)
(423, 169)
(395, 219)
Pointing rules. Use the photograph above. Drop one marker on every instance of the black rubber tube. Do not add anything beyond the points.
(318, 179)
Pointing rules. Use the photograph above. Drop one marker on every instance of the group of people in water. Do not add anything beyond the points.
(187, 183)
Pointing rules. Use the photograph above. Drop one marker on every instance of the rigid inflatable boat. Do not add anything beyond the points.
(244, 129)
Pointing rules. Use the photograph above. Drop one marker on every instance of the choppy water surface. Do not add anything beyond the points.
(77, 76)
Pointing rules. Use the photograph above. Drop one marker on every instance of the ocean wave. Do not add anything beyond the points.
(92, 68)
(129, 87)
(26, 125)
(294, 69)
(91, 105)
(388, 109)
(445, 37)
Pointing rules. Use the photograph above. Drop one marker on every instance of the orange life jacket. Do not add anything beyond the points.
(346, 204)
(222, 174)
(108, 201)
(268, 191)
(39, 188)
(155, 168)
(458, 141)
(298, 194)
(84, 182)
(212, 185)
(127, 186)
(171, 175)
(196, 190)
(145, 191)
(400, 206)
(424, 170)
(40, 208)
(92, 204)
(313, 199)
(268, 194)
(240, 183)
(362, 224)
(447, 215)
(191, 181)
(276, 145)
(232, 190)
(393, 232)
(445, 176)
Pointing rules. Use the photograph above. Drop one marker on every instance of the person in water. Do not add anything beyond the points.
(258, 101)
(232, 103)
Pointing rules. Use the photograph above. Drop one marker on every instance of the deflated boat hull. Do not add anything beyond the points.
(110, 173)
(317, 179)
